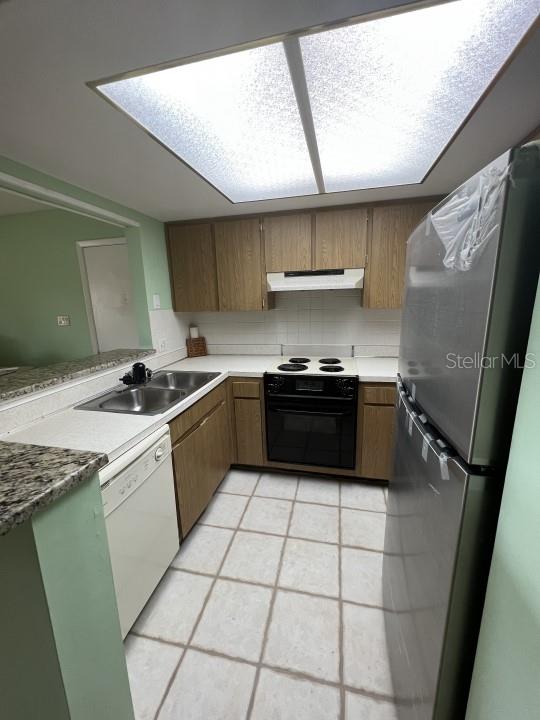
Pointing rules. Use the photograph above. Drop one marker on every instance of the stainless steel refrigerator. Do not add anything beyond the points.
(471, 278)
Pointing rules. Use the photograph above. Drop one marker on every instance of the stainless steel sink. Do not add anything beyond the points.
(162, 392)
(188, 381)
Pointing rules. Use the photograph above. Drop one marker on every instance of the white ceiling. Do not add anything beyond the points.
(53, 122)
(13, 204)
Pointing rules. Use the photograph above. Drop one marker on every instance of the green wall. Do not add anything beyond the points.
(40, 279)
(150, 235)
(62, 654)
(146, 243)
(506, 679)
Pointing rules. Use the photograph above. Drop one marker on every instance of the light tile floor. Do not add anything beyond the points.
(272, 609)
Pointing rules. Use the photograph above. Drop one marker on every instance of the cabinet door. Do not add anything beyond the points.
(193, 267)
(377, 441)
(287, 242)
(239, 268)
(249, 448)
(340, 239)
(201, 460)
(385, 274)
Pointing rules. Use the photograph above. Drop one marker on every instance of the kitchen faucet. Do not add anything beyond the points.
(139, 375)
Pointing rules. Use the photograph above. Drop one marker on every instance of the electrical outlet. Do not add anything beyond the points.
(156, 300)
(63, 320)
(162, 345)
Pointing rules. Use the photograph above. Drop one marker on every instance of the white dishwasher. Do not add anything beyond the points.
(140, 514)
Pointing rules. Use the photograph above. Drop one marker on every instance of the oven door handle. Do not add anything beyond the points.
(283, 411)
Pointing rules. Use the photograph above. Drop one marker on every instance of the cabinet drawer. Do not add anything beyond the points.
(181, 424)
(246, 388)
(379, 394)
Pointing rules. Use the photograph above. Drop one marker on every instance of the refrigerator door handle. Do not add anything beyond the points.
(429, 441)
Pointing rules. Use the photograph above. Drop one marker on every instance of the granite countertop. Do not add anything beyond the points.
(33, 476)
(29, 380)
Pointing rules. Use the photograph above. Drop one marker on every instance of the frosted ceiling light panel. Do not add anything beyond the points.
(233, 119)
(387, 95)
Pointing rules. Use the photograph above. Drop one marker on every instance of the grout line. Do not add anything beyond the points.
(271, 609)
(296, 537)
(296, 674)
(342, 687)
(201, 612)
(256, 484)
(304, 502)
(341, 629)
(283, 588)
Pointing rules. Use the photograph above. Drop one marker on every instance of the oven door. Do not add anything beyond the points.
(311, 431)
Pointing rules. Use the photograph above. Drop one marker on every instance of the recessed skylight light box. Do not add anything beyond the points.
(233, 118)
(379, 100)
(388, 95)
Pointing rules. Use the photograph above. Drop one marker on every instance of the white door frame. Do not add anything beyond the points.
(81, 244)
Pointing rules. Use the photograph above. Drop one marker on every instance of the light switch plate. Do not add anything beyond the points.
(156, 301)
(63, 320)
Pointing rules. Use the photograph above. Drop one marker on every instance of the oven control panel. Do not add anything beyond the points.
(311, 386)
(274, 383)
(347, 386)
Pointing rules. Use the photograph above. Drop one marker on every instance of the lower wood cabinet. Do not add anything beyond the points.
(201, 459)
(247, 432)
(248, 419)
(375, 438)
(227, 425)
(376, 431)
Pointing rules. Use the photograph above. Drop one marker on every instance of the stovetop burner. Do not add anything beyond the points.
(292, 367)
(301, 360)
(331, 368)
(330, 361)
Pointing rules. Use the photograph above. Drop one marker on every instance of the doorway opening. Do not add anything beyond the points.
(108, 293)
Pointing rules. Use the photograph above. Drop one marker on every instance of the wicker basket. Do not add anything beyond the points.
(196, 347)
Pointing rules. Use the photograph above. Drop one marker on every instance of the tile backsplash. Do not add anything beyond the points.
(322, 317)
(169, 330)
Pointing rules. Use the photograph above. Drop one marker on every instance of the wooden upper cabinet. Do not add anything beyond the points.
(287, 242)
(193, 267)
(340, 239)
(385, 274)
(239, 264)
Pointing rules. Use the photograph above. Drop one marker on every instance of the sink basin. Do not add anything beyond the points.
(188, 381)
(162, 392)
(141, 400)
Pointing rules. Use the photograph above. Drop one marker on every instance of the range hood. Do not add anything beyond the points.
(349, 279)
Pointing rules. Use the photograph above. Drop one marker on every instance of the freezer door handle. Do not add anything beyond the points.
(418, 421)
